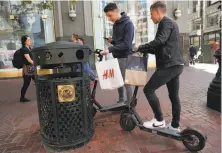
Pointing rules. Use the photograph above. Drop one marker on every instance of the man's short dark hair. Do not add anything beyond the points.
(158, 4)
(110, 7)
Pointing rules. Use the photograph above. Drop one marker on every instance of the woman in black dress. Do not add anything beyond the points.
(28, 67)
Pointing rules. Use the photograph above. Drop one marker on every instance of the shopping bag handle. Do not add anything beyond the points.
(136, 52)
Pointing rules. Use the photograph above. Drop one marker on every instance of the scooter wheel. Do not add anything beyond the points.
(126, 122)
(94, 110)
(193, 140)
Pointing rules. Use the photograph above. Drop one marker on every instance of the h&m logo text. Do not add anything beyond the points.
(108, 73)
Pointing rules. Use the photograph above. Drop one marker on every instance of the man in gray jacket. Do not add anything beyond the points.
(169, 64)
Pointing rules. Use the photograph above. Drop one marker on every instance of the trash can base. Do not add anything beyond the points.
(61, 148)
(54, 148)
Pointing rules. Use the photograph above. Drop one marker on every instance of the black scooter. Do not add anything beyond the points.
(96, 105)
(129, 119)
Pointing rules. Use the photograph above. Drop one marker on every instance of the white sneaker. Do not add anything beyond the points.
(169, 126)
(154, 124)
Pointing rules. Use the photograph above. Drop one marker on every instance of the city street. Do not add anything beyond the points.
(19, 128)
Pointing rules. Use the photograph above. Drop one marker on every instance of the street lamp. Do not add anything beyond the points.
(177, 13)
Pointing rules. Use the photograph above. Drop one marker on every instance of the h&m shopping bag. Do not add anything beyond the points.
(136, 70)
(109, 74)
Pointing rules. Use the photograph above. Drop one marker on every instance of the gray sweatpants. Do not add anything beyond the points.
(128, 88)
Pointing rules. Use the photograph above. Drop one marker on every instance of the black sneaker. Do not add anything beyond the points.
(24, 100)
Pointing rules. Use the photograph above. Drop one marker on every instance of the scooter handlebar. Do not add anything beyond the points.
(144, 54)
(97, 51)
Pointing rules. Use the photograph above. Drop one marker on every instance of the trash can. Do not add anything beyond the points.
(63, 97)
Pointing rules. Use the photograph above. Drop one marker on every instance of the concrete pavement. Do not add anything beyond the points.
(19, 128)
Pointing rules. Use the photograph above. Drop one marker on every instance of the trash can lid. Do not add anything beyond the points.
(60, 45)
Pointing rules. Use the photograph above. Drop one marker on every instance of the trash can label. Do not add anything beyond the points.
(66, 93)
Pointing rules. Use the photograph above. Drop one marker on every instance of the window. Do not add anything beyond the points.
(211, 2)
(17, 19)
(196, 25)
(212, 20)
(196, 41)
(206, 39)
(195, 3)
(212, 38)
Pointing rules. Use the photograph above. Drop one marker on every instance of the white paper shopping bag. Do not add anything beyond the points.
(109, 74)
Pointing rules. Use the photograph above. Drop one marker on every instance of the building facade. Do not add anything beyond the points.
(44, 21)
(51, 22)
(183, 6)
(205, 26)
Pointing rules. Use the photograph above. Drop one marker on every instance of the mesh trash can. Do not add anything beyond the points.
(63, 97)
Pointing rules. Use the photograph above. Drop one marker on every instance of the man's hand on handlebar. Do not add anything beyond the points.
(142, 49)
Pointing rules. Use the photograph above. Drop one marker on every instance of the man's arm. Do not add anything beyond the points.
(129, 33)
(160, 39)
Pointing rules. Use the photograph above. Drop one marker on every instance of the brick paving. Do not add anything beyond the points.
(19, 126)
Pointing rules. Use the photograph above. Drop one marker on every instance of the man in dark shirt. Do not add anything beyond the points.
(193, 52)
(123, 34)
(169, 64)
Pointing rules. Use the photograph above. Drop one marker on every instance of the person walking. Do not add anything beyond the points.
(28, 66)
(193, 52)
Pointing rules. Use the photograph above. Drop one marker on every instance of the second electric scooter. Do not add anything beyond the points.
(129, 119)
(96, 105)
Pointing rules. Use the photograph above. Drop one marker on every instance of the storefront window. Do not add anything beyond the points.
(206, 39)
(196, 41)
(218, 39)
(19, 18)
(212, 38)
(210, 2)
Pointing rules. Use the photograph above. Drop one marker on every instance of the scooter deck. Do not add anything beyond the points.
(114, 107)
(162, 131)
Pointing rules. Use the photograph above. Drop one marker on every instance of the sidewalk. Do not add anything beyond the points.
(210, 68)
(19, 128)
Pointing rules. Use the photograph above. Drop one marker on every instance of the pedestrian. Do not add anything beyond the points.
(28, 66)
(121, 40)
(87, 68)
(169, 63)
(193, 52)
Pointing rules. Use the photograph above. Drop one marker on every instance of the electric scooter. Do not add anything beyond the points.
(129, 119)
(96, 105)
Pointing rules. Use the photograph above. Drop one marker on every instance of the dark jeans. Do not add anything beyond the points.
(26, 80)
(192, 61)
(170, 77)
